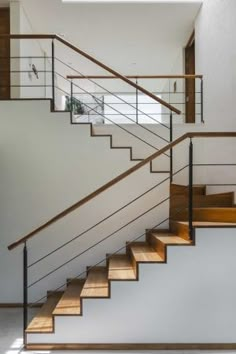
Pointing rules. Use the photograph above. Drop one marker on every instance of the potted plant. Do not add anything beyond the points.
(74, 105)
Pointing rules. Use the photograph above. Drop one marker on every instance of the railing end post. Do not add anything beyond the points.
(171, 150)
(25, 290)
(190, 190)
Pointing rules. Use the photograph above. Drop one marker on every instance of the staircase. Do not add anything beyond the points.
(126, 301)
(212, 211)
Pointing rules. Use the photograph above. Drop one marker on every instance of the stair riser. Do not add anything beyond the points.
(180, 230)
(176, 190)
(178, 203)
(210, 215)
(157, 245)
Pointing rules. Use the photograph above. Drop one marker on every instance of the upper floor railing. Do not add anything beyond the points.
(34, 51)
(103, 101)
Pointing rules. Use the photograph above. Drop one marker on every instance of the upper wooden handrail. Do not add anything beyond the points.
(95, 61)
(71, 77)
(119, 178)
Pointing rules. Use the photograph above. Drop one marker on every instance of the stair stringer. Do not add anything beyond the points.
(191, 299)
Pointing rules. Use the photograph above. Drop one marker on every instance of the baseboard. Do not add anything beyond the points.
(136, 346)
(16, 305)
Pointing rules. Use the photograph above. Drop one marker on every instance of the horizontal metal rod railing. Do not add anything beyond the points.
(71, 77)
(109, 92)
(100, 222)
(119, 178)
(179, 210)
(120, 126)
(99, 242)
(84, 273)
(124, 115)
(93, 60)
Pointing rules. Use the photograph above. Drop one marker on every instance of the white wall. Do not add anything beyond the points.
(48, 165)
(214, 30)
(215, 58)
(191, 299)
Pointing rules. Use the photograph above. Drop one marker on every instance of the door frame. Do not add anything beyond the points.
(189, 63)
(6, 62)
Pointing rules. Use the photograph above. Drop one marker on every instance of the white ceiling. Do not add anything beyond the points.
(144, 38)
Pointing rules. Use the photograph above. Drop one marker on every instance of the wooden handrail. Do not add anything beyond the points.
(71, 77)
(118, 179)
(95, 61)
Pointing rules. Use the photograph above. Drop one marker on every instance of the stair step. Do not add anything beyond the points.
(70, 302)
(227, 215)
(96, 284)
(121, 268)
(172, 240)
(160, 241)
(200, 201)
(180, 229)
(177, 189)
(43, 321)
(145, 253)
(208, 224)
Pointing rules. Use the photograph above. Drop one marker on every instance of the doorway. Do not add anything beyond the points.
(4, 54)
(190, 83)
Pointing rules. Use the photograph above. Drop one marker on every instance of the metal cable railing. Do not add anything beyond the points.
(120, 113)
(108, 91)
(105, 259)
(98, 263)
(118, 125)
(100, 222)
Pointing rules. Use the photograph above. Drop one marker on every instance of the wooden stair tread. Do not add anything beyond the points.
(121, 268)
(207, 223)
(174, 239)
(145, 253)
(96, 284)
(70, 302)
(43, 321)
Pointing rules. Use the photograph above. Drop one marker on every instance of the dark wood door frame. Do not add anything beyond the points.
(5, 54)
(190, 83)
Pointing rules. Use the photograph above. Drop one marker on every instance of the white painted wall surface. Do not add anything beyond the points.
(191, 299)
(48, 165)
(215, 30)
(53, 195)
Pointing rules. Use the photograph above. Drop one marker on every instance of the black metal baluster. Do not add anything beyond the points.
(171, 150)
(202, 118)
(71, 101)
(53, 75)
(136, 102)
(25, 290)
(190, 191)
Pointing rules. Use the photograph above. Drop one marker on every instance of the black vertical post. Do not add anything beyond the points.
(25, 290)
(190, 191)
(71, 101)
(136, 102)
(171, 150)
(202, 119)
(53, 75)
